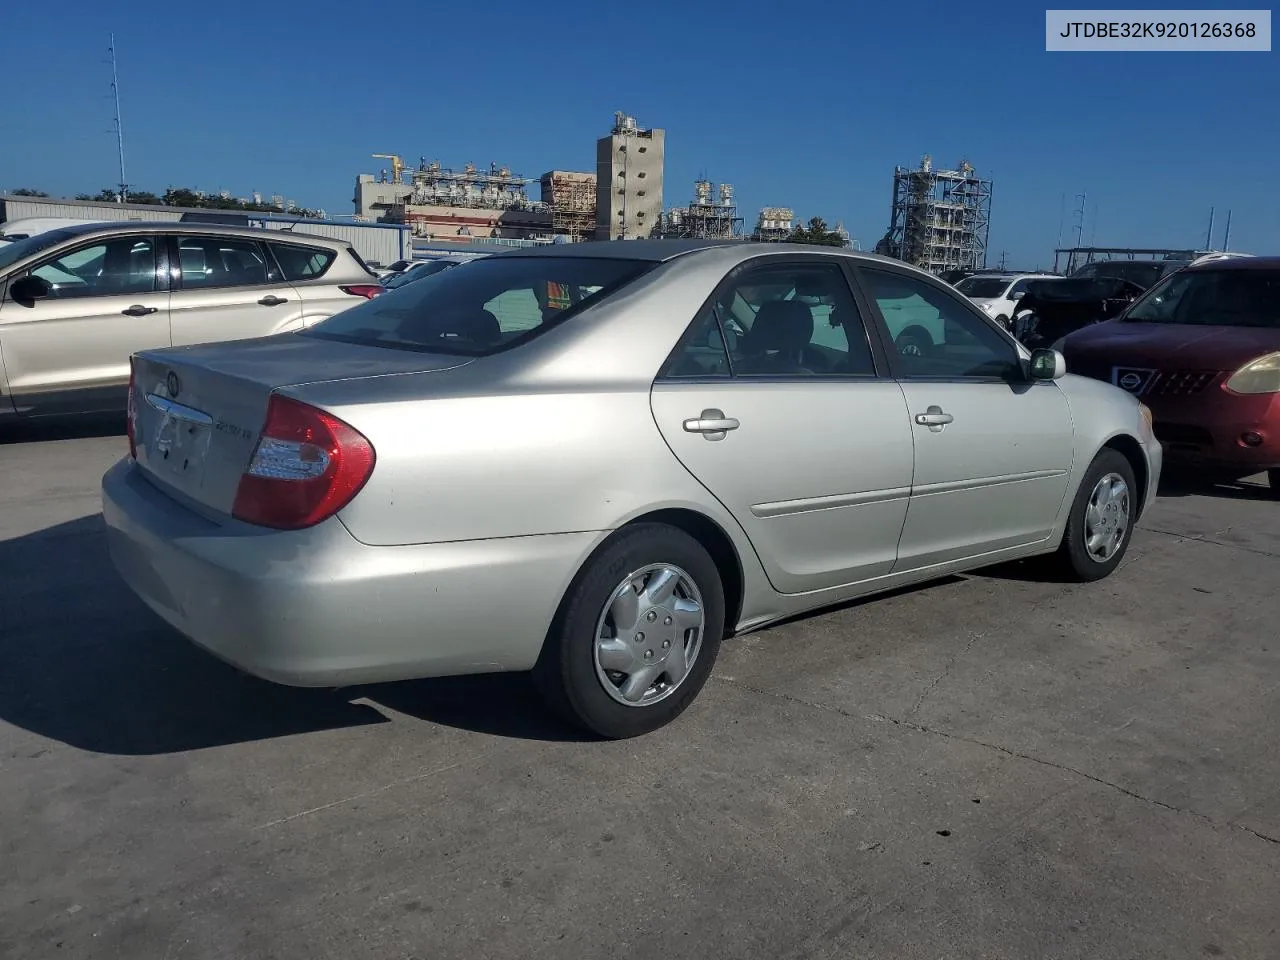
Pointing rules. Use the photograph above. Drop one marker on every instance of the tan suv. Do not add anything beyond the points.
(76, 302)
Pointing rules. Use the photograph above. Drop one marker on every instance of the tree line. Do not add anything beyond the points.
(179, 197)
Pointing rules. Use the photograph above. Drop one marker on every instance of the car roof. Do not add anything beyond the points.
(659, 251)
(1237, 263)
(169, 226)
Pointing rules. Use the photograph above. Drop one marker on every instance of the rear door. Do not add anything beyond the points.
(777, 403)
(225, 287)
(69, 352)
(993, 450)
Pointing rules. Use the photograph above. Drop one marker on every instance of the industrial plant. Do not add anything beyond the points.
(940, 218)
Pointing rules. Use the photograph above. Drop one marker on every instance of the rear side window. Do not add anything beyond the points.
(489, 305)
(302, 263)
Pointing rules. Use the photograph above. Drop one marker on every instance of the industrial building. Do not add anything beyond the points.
(442, 204)
(940, 218)
(378, 244)
(571, 197)
(711, 215)
(629, 165)
(774, 224)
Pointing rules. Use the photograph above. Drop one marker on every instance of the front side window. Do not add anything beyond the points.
(1224, 298)
(494, 303)
(116, 267)
(212, 262)
(936, 335)
(788, 320)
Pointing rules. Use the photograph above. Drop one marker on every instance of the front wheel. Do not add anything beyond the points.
(1101, 520)
(636, 637)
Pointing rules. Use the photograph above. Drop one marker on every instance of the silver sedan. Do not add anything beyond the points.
(595, 462)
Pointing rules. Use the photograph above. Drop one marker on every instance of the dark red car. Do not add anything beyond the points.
(1202, 350)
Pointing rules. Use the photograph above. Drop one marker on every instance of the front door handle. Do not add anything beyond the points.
(271, 300)
(934, 418)
(712, 424)
(138, 310)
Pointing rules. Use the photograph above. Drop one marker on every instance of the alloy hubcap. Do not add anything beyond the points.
(1106, 519)
(649, 635)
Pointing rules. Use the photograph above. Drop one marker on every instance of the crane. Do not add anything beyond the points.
(397, 165)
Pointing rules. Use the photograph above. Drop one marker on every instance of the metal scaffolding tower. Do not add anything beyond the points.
(708, 216)
(940, 219)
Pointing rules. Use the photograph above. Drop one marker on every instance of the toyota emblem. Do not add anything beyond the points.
(172, 383)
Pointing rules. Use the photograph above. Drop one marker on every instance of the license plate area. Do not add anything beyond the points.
(179, 445)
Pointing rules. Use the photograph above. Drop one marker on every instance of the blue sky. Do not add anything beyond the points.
(801, 104)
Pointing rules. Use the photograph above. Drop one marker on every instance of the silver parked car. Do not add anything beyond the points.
(77, 301)
(597, 462)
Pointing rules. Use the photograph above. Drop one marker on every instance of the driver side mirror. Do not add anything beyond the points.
(1047, 364)
(1017, 295)
(27, 290)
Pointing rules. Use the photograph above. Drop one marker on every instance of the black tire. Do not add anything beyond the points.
(1273, 478)
(1004, 322)
(566, 673)
(1073, 557)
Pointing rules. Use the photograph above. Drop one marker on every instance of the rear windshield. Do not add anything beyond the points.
(1142, 272)
(984, 288)
(495, 303)
(1219, 298)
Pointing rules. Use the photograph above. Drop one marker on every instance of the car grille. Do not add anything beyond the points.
(1181, 383)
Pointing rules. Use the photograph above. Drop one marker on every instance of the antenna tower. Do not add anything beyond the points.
(115, 90)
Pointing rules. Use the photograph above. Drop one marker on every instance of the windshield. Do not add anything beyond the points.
(984, 288)
(1143, 272)
(1219, 298)
(11, 253)
(495, 303)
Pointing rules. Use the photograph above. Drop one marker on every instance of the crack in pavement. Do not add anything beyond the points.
(946, 671)
(1207, 538)
(1065, 768)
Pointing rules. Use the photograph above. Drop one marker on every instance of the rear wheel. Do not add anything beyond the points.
(636, 637)
(1100, 524)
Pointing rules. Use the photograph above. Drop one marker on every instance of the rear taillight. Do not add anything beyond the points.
(366, 290)
(131, 415)
(306, 467)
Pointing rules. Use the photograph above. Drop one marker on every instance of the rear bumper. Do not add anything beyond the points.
(317, 608)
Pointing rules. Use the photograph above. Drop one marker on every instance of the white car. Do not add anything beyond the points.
(997, 294)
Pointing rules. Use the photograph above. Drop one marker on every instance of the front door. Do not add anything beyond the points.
(993, 450)
(227, 288)
(775, 403)
(68, 352)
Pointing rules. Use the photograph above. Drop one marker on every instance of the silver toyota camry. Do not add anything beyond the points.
(595, 462)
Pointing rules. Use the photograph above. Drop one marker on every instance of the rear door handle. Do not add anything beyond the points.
(712, 424)
(138, 310)
(271, 300)
(934, 418)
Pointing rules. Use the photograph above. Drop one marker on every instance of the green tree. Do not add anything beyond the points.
(818, 232)
(28, 192)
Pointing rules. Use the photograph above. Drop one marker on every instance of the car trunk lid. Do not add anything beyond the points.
(198, 411)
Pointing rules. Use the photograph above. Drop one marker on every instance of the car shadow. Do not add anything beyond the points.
(1188, 483)
(84, 662)
(62, 428)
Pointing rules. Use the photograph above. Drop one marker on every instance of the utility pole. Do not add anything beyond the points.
(1208, 240)
(115, 90)
(1004, 256)
(1079, 228)
(1226, 236)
